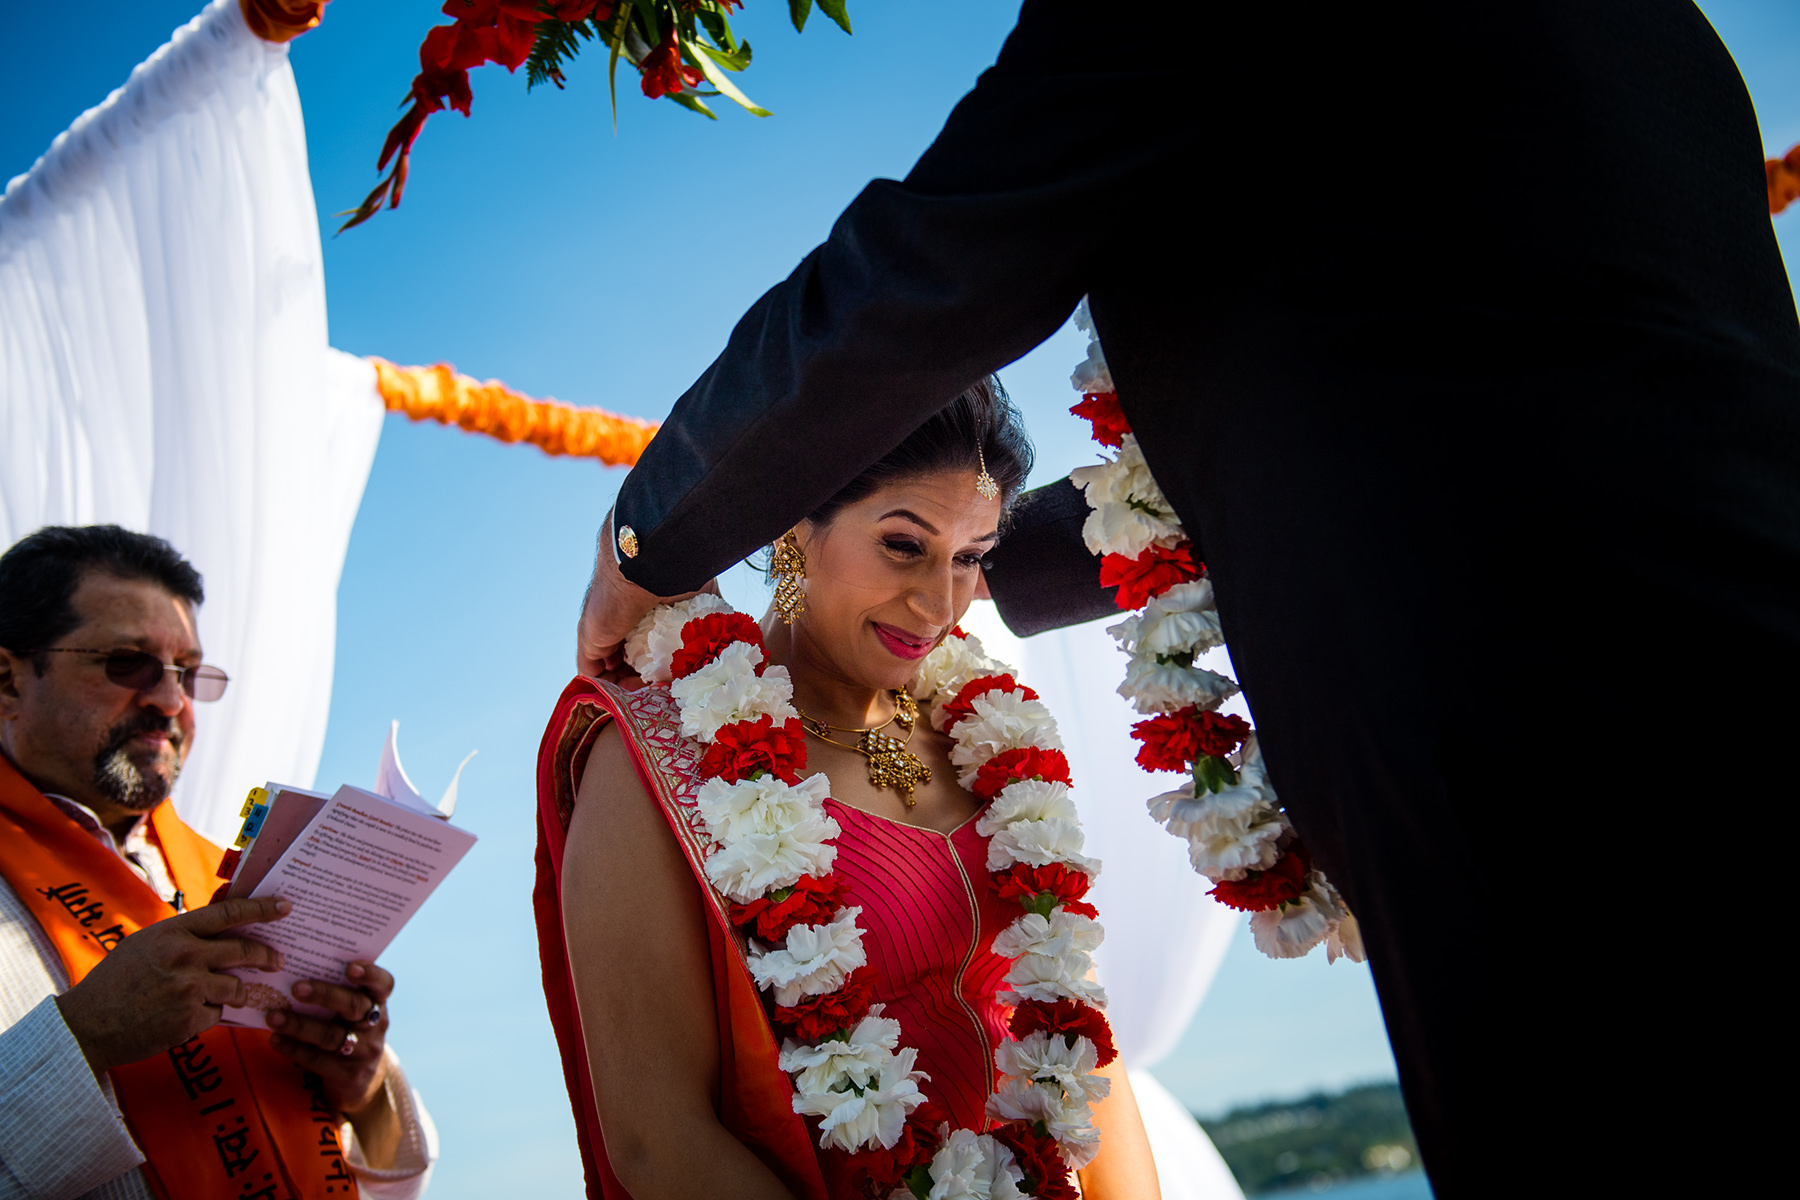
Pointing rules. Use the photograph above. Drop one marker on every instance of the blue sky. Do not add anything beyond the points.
(535, 247)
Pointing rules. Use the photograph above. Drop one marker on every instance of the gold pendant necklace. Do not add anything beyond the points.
(891, 764)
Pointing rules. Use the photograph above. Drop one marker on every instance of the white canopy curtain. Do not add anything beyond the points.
(164, 366)
(1165, 936)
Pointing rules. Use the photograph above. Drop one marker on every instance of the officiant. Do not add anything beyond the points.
(1458, 339)
(116, 1079)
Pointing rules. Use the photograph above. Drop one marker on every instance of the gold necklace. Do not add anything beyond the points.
(891, 764)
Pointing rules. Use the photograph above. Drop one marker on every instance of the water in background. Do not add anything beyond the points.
(1411, 1185)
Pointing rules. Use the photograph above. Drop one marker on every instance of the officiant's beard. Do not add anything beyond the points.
(125, 782)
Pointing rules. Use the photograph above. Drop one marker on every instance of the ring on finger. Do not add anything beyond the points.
(371, 1018)
(349, 1045)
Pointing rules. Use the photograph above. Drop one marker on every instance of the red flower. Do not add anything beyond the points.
(1023, 883)
(964, 704)
(1046, 1174)
(705, 638)
(1066, 1017)
(743, 748)
(1262, 890)
(1173, 741)
(1102, 410)
(1010, 766)
(811, 901)
(1151, 573)
(664, 72)
(880, 1172)
(818, 1017)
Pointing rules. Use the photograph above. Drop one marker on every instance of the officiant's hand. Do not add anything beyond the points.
(614, 605)
(347, 1051)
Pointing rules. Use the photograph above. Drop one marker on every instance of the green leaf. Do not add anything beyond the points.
(716, 77)
(689, 100)
(797, 11)
(617, 39)
(835, 10)
(730, 61)
(1213, 773)
(918, 1181)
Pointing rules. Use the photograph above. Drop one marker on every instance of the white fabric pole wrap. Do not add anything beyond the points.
(164, 366)
(1165, 936)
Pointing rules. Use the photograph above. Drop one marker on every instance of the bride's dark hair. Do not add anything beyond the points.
(982, 416)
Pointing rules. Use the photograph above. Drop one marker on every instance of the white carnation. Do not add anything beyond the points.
(1060, 933)
(1026, 800)
(1041, 843)
(1092, 374)
(815, 959)
(653, 641)
(751, 865)
(1000, 721)
(1154, 687)
(1183, 620)
(973, 1166)
(1130, 513)
(759, 806)
(875, 1116)
(1047, 1058)
(955, 661)
(1053, 977)
(1345, 941)
(1290, 930)
(1068, 1117)
(729, 689)
(836, 1064)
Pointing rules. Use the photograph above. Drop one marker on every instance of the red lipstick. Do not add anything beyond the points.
(902, 644)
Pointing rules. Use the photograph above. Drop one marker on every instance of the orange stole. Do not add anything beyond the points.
(221, 1116)
(756, 1098)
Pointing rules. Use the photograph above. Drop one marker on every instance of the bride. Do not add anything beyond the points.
(787, 952)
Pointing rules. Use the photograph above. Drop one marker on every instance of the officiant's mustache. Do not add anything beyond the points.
(120, 779)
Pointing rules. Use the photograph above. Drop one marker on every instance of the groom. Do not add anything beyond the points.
(1458, 337)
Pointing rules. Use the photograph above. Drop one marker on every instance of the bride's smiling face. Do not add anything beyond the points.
(891, 575)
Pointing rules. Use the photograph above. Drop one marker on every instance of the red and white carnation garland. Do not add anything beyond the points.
(1237, 834)
(773, 862)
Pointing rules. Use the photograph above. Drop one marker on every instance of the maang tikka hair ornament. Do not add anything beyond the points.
(788, 567)
(985, 487)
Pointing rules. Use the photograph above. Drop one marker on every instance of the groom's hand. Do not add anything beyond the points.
(613, 607)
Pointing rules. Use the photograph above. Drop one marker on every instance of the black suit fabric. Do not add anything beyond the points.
(1458, 337)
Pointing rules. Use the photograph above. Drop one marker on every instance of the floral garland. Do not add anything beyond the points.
(773, 862)
(1237, 834)
(682, 50)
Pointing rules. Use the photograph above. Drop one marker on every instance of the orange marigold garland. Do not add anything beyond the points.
(440, 394)
(1236, 832)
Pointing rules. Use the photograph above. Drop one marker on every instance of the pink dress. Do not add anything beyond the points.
(929, 919)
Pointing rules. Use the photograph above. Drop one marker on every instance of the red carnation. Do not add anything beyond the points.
(1010, 766)
(1038, 1155)
(964, 704)
(1102, 410)
(1262, 890)
(1151, 573)
(664, 72)
(1173, 741)
(1066, 1017)
(705, 638)
(818, 1017)
(1023, 883)
(879, 1171)
(811, 901)
(743, 748)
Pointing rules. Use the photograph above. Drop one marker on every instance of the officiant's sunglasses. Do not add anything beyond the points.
(140, 671)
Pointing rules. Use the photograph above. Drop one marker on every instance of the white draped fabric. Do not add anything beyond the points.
(1165, 936)
(164, 366)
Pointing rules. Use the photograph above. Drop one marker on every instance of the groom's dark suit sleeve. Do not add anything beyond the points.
(924, 286)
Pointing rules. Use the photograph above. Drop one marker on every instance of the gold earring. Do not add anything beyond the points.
(788, 566)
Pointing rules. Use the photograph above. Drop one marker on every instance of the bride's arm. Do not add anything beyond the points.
(1123, 1170)
(636, 934)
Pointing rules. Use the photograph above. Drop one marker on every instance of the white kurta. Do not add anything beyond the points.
(61, 1135)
